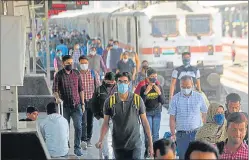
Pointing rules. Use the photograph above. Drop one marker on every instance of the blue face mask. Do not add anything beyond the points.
(219, 119)
(186, 91)
(186, 61)
(152, 80)
(115, 46)
(123, 88)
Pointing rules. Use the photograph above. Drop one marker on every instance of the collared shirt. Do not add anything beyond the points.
(108, 58)
(76, 56)
(55, 132)
(241, 153)
(187, 109)
(68, 86)
(87, 80)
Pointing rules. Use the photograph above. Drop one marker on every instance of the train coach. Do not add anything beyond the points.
(160, 33)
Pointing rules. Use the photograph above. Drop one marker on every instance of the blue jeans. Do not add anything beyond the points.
(154, 120)
(76, 114)
(182, 140)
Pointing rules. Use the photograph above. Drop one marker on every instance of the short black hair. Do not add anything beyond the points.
(145, 61)
(237, 117)
(31, 110)
(202, 147)
(51, 107)
(109, 45)
(151, 71)
(116, 41)
(164, 145)
(66, 57)
(61, 41)
(83, 57)
(110, 39)
(123, 74)
(233, 97)
(186, 53)
(110, 76)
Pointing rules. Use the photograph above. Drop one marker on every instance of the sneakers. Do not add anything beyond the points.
(89, 144)
(78, 152)
(84, 145)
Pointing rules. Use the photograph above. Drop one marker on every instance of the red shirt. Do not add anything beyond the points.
(141, 84)
(241, 153)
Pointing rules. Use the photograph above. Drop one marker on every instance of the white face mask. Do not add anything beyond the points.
(125, 60)
(93, 52)
(186, 91)
(84, 66)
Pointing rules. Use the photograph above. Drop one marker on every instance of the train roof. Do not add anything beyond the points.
(126, 12)
(169, 8)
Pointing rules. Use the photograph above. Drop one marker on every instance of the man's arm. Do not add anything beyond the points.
(103, 64)
(81, 91)
(198, 80)
(97, 79)
(172, 113)
(55, 87)
(137, 62)
(104, 128)
(173, 83)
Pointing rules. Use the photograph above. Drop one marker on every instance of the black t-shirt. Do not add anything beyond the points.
(152, 100)
(126, 126)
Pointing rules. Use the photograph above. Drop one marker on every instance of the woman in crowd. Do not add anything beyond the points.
(214, 130)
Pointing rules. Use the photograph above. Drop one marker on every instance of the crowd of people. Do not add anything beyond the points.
(107, 83)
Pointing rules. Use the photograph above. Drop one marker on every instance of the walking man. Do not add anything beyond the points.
(126, 110)
(67, 87)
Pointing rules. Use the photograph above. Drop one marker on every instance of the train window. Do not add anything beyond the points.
(116, 28)
(128, 27)
(198, 24)
(138, 29)
(164, 26)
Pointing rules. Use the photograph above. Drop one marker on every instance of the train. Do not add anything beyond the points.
(159, 34)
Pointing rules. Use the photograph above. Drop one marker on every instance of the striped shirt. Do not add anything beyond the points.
(187, 110)
(241, 153)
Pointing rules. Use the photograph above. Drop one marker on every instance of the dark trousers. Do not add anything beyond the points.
(76, 114)
(123, 154)
(87, 123)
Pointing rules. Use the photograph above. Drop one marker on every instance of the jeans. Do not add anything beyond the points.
(154, 120)
(105, 149)
(123, 154)
(87, 123)
(182, 140)
(76, 114)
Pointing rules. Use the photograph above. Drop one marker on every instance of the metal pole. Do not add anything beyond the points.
(33, 37)
(47, 43)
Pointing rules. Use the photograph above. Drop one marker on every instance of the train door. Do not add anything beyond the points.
(137, 27)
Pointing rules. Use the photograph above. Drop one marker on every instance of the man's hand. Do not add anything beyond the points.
(157, 89)
(149, 87)
(151, 151)
(58, 100)
(83, 108)
(98, 145)
(173, 137)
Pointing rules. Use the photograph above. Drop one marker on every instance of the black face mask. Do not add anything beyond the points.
(68, 67)
(109, 85)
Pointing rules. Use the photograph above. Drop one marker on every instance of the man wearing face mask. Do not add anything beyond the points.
(67, 87)
(107, 88)
(127, 65)
(95, 61)
(76, 54)
(133, 56)
(184, 109)
(90, 81)
(113, 56)
(126, 110)
(185, 69)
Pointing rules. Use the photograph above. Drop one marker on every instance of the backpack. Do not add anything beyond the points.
(136, 103)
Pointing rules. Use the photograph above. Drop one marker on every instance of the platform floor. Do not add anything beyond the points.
(93, 153)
